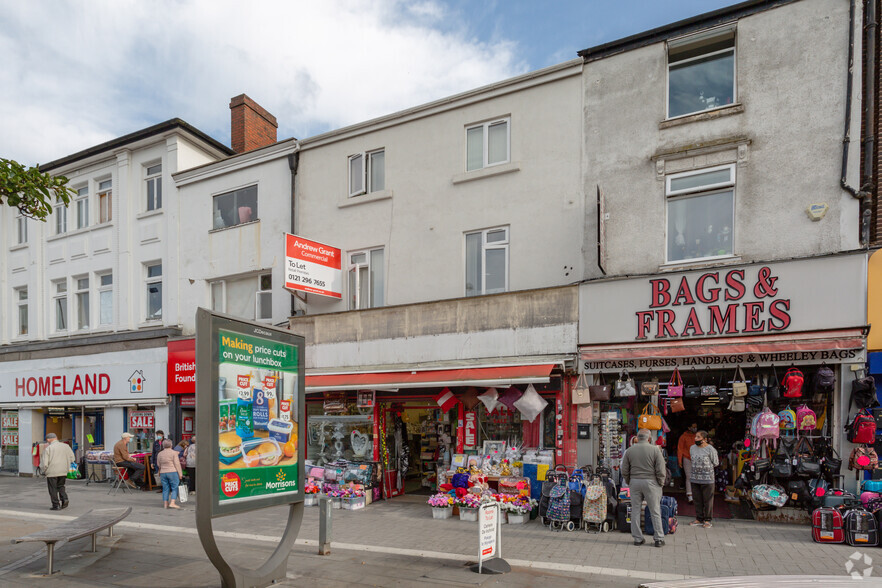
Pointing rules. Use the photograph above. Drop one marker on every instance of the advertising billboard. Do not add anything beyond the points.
(312, 267)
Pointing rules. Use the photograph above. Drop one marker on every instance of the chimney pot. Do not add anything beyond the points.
(251, 126)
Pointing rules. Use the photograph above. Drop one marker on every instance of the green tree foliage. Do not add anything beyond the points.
(30, 190)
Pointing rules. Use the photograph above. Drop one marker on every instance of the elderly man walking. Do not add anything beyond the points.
(55, 462)
(643, 468)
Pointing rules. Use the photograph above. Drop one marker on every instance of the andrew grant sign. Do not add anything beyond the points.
(804, 295)
(312, 267)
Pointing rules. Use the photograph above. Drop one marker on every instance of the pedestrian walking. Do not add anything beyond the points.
(686, 441)
(643, 468)
(55, 462)
(157, 447)
(169, 464)
(191, 465)
(704, 460)
(122, 459)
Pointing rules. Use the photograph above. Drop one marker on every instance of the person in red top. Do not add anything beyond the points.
(684, 445)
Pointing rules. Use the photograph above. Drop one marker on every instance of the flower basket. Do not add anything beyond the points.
(468, 514)
(441, 512)
(518, 519)
(310, 500)
(336, 502)
(353, 502)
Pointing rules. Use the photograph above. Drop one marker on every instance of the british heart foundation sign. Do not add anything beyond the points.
(312, 267)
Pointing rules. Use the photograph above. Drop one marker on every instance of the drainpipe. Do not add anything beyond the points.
(869, 141)
(293, 164)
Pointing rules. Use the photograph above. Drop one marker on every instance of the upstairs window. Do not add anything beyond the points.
(60, 217)
(487, 144)
(105, 299)
(701, 213)
(21, 229)
(82, 207)
(263, 309)
(235, 208)
(154, 291)
(366, 286)
(367, 172)
(487, 261)
(250, 297)
(701, 71)
(59, 299)
(105, 201)
(21, 300)
(154, 187)
(82, 300)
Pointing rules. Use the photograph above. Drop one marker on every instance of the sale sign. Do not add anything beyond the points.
(471, 430)
(141, 419)
(9, 439)
(10, 420)
(313, 267)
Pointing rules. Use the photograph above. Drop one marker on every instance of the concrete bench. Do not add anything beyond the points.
(90, 523)
(758, 582)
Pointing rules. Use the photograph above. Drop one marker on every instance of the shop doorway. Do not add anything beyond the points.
(418, 439)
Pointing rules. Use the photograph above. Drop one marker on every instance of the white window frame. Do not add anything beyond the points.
(154, 179)
(148, 282)
(485, 246)
(21, 229)
(21, 303)
(222, 284)
(354, 267)
(235, 193)
(82, 200)
(102, 289)
(105, 189)
(703, 190)
(59, 295)
(685, 41)
(486, 143)
(262, 298)
(81, 295)
(365, 173)
(60, 217)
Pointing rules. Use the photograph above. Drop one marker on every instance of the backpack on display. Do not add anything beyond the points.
(863, 458)
(806, 419)
(668, 518)
(860, 528)
(861, 429)
(792, 383)
(768, 425)
(787, 419)
(863, 392)
(825, 380)
(827, 526)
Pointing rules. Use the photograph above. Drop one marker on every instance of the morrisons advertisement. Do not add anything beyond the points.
(257, 420)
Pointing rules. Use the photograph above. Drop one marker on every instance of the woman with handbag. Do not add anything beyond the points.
(704, 459)
(684, 446)
(169, 464)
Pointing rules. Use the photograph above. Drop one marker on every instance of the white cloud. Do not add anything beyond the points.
(81, 73)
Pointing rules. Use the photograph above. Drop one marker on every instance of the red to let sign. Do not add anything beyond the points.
(471, 430)
(313, 267)
(141, 419)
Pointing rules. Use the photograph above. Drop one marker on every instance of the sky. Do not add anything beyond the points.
(77, 73)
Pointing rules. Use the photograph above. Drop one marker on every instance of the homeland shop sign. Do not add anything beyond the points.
(805, 295)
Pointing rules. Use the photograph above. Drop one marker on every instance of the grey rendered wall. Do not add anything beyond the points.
(791, 80)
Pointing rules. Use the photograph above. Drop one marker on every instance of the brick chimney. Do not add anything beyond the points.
(252, 127)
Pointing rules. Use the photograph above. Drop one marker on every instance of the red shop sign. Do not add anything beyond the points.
(141, 419)
(182, 366)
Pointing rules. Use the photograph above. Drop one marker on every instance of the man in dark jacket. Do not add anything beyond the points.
(643, 468)
(157, 447)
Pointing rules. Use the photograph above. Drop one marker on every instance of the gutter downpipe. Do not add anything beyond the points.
(293, 165)
(869, 140)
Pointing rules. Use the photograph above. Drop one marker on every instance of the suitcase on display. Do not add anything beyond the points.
(861, 528)
(623, 517)
(669, 520)
(827, 526)
(835, 498)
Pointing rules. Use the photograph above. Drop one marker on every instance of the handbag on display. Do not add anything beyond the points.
(649, 388)
(807, 465)
(863, 458)
(581, 391)
(600, 392)
(650, 418)
(625, 386)
(677, 404)
(737, 404)
(756, 388)
(675, 387)
(831, 466)
(773, 392)
(782, 465)
(707, 390)
(739, 385)
(694, 390)
(724, 396)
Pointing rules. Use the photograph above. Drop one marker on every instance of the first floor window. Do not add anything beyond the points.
(264, 299)
(21, 298)
(83, 207)
(701, 71)
(154, 187)
(82, 300)
(248, 297)
(366, 286)
(105, 203)
(367, 172)
(60, 305)
(487, 261)
(487, 144)
(60, 217)
(217, 296)
(21, 229)
(154, 291)
(701, 213)
(105, 299)
(235, 208)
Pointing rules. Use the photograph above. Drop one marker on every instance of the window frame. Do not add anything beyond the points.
(148, 282)
(235, 194)
(697, 191)
(259, 294)
(60, 216)
(21, 229)
(485, 155)
(693, 38)
(82, 206)
(81, 295)
(154, 179)
(21, 303)
(485, 246)
(104, 194)
(60, 296)
(355, 303)
(101, 289)
(366, 172)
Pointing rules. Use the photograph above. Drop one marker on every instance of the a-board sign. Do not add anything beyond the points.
(141, 419)
(313, 267)
(488, 532)
(252, 382)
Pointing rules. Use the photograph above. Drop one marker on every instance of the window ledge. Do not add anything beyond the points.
(255, 221)
(699, 263)
(365, 198)
(149, 324)
(18, 247)
(727, 110)
(149, 213)
(495, 170)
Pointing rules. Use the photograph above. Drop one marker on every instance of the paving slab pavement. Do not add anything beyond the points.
(394, 543)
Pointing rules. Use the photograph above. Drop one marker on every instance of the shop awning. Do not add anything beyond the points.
(835, 340)
(489, 376)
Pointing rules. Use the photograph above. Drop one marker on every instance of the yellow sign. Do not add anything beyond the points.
(874, 302)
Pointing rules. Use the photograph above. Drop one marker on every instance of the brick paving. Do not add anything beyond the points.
(159, 547)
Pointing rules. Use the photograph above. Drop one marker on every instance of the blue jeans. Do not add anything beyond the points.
(169, 485)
